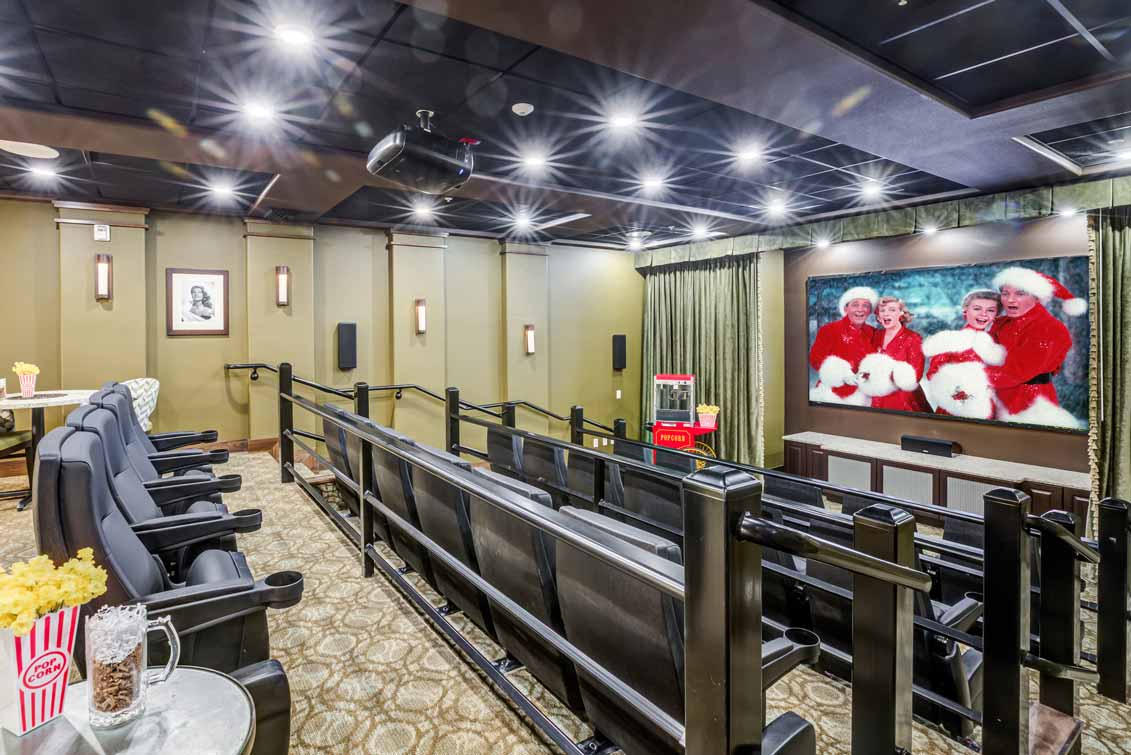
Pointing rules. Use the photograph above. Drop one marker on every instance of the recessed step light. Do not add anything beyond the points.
(27, 149)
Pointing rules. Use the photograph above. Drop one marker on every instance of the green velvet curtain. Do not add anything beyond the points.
(1110, 434)
(701, 318)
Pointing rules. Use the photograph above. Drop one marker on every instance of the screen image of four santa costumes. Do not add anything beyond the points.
(1002, 370)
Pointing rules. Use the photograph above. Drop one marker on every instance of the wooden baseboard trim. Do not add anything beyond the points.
(13, 467)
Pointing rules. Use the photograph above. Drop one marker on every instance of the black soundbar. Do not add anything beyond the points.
(932, 446)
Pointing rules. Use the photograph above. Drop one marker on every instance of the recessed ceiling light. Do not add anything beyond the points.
(636, 239)
(521, 221)
(749, 153)
(422, 210)
(1125, 155)
(27, 149)
(776, 207)
(259, 112)
(623, 120)
(871, 189)
(43, 171)
(823, 243)
(222, 190)
(1068, 212)
(522, 109)
(652, 182)
(534, 160)
(700, 231)
(294, 36)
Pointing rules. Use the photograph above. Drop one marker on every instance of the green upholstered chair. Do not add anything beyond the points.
(12, 443)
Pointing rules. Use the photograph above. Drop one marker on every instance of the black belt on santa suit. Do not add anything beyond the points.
(1043, 379)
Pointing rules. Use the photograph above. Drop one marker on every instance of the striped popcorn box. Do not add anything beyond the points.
(34, 670)
(27, 385)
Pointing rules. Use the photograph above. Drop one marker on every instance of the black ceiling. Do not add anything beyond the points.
(980, 54)
(193, 64)
(1092, 143)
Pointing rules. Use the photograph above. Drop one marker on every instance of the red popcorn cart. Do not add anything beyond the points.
(675, 423)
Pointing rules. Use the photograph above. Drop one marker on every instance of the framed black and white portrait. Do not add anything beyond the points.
(196, 302)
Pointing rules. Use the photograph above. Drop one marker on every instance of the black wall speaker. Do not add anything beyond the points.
(620, 352)
(932, 446)
(347, 345)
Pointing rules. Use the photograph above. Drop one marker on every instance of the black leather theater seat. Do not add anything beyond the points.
(518, 560)
(394, 481)
(343, 450)
(504, 451)
(793, 491)
(544, 466)
(652, 502)
(155, 442)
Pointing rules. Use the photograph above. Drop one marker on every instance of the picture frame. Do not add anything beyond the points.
(196, 302)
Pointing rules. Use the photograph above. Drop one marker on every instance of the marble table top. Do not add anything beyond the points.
(45, 398)
(996, 469)
(196, 711)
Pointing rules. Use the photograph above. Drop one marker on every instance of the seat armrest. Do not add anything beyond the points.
(191, 458)
(166, 492)
(197, 607)
(782, 655)
(963, 614)
(169, 533)
(169, 441)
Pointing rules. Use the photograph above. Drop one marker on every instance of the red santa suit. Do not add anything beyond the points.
(837, 351)
(1036, 344)
(956, 379)
(890, 374)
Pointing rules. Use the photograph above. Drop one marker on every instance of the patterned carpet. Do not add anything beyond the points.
(369, 674)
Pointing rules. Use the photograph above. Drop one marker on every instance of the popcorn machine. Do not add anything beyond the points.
(674, 421)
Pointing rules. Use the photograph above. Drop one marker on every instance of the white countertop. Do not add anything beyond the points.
(1006, 471)
(45, 398)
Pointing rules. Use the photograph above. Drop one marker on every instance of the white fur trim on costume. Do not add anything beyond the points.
(835, 372)
(903, 374)
(1042, 412)
(874, 375)
(957, 341)
(858, 292)
(823, 394)
(967, 380)
(1074, 307)
(1027, 280)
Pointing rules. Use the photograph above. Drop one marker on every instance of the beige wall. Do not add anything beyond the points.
(29, 309)
(195, 389)
(416, 271)
(279, 334)
(593, 295)
(576, 298)
(101, 340)
(526, 302)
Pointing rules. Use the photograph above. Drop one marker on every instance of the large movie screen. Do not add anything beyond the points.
(1001, 342)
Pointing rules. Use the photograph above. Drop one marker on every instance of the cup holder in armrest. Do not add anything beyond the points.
(248, 520)
(795, 647)
(975, 596)
(209, 436)
(283, 589)
(229, 483)
(218, 456)
(805, 641)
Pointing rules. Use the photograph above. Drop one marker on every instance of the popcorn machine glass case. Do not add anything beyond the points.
(673, 398)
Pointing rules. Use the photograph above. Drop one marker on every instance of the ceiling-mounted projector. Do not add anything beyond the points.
(418, 158)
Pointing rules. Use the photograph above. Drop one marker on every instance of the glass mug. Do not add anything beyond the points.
(117, 660)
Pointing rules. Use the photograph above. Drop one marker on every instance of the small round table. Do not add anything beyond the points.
(197, 711)
(37, 403)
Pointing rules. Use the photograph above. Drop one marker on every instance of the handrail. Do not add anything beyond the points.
(401, 387)
(1060, 532)
(914, 506)
(255, 367)
(547, 412)
(764, 532)
(505, 500)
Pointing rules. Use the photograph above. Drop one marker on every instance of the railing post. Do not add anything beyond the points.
(620, 428)
(509, 417)
(451, 421)
(286, 421)
(364, 479)
(1060, 615)
(723, 614)
(882, 624)
(1005, 633)
(1111, 624)
(577, 425)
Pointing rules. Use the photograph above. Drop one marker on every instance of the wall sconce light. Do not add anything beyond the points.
(103, 277)
(528, 338)
(282, 286)
(421, 317)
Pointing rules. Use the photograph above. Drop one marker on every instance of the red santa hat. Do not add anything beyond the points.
(1042, 286)
(858, 292)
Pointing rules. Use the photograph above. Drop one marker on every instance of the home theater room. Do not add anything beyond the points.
(448, 377)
